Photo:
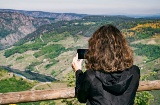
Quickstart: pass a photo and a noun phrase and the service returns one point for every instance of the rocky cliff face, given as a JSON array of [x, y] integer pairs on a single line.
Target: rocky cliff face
[[15, 26]]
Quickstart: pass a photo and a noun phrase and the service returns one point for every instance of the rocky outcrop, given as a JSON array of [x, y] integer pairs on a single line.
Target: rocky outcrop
[[11, 39], [15, 26]]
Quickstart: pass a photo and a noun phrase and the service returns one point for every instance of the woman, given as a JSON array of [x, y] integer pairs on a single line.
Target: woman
[[110, 78]]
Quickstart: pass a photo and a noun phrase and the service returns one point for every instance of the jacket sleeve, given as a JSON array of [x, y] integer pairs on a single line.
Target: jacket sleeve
[[82, 86], [136, 76]]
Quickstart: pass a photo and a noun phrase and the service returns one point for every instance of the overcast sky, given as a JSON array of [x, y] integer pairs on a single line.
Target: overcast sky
[[86, 6]]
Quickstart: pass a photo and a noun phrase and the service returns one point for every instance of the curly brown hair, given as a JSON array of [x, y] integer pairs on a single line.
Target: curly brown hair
[[108, 50]]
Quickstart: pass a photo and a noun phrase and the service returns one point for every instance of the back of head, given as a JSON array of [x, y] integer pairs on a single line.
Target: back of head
[[108, 50]]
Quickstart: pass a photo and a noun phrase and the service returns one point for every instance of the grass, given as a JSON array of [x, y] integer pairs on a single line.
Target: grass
[[52, 85]]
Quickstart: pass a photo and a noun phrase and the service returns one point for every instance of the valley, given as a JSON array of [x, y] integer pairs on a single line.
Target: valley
[[49, 48]]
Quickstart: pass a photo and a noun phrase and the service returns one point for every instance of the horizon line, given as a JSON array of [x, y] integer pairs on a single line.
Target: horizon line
[[122, 14]]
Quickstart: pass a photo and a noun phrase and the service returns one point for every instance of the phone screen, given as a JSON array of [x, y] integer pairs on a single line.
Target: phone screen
[[81, 53]]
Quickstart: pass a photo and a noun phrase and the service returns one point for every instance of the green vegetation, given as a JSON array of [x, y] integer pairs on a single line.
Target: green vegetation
[[53, 72], [144, 35], [23, 48], [3, 73], [152, 52], [49, 102], [4, 33], [60, 30], [70, 79], [147, 32], [14, 84], [32, 65], [145, 97], [19, 58], [54, 36], [50, 51], [49, 65]]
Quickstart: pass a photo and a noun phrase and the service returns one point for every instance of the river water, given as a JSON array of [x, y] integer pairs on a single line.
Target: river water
[[30, 75]]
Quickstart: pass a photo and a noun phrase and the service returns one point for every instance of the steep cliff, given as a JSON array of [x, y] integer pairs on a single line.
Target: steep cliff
[[15, 26]]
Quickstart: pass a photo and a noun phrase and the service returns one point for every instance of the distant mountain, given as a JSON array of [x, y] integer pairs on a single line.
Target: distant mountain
[[57, 16], [151, 16], [15, 26]]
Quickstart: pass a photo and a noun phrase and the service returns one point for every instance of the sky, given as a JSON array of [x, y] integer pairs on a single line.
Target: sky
[[107, 7]]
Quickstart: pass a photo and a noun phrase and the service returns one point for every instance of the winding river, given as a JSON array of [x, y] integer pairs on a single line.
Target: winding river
[[30, 75]]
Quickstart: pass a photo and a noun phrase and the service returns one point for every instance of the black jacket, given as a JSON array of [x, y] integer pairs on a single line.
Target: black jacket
[[101, 88]]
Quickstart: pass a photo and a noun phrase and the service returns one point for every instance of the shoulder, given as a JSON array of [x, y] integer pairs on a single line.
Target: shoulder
[[135, 66], [136, 69], [89, 72]]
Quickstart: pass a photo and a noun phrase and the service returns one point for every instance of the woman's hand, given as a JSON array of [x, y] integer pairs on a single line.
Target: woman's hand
[[76, 64]]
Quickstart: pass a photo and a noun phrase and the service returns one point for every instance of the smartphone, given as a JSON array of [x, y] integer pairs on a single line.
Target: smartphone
[[81, 53]]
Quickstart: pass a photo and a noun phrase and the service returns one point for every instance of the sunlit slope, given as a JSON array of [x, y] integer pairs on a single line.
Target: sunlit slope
[[45, 60], [51, 48]]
